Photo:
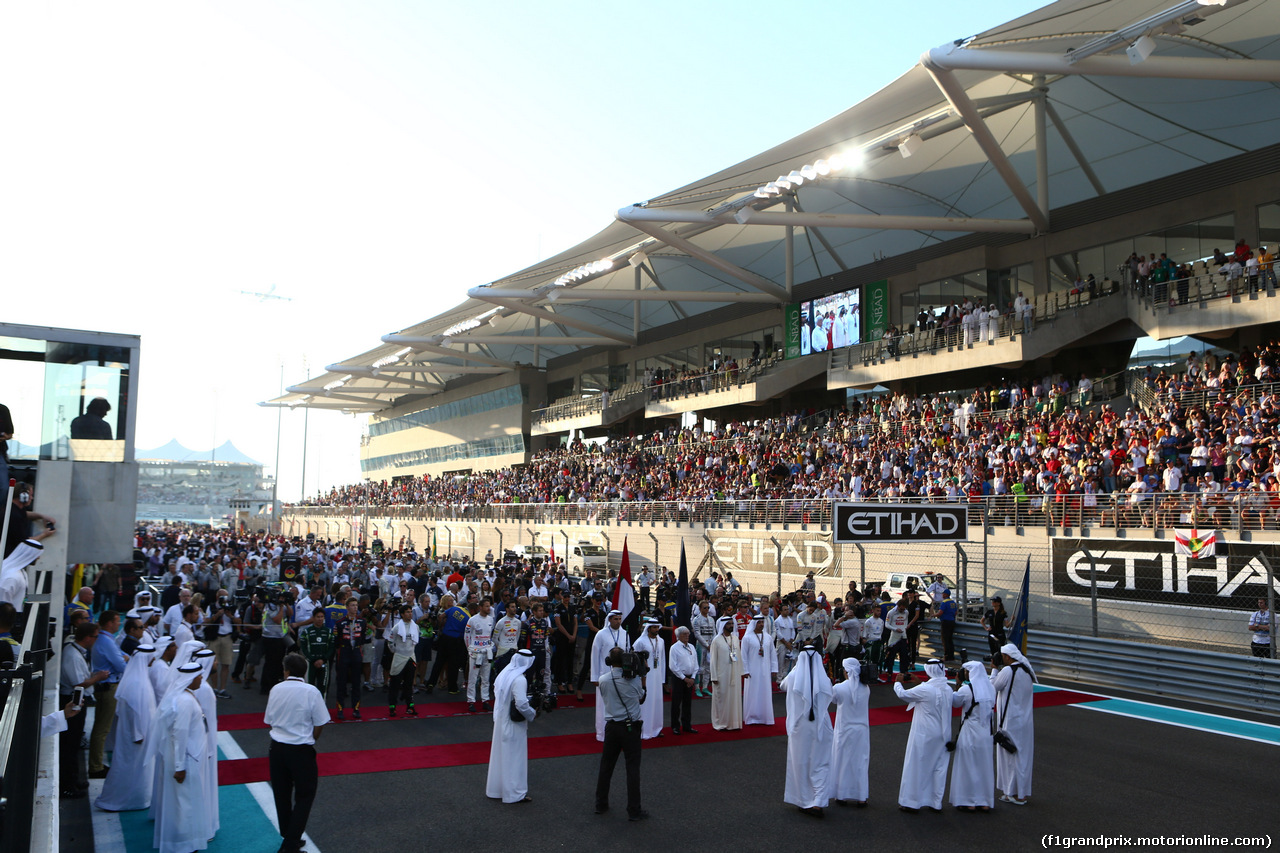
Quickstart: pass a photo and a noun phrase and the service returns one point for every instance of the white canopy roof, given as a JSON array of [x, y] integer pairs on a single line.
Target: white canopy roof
[[950, 147]]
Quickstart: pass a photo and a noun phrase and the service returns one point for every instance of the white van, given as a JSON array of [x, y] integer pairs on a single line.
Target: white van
[[898, 582], [587, 557], [535, 553]]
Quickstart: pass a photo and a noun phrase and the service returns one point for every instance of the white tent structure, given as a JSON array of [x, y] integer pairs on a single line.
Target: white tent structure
[[995, 135]]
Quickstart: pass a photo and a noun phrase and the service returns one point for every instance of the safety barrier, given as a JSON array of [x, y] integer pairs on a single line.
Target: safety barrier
[[21, 707], [1216, 678]]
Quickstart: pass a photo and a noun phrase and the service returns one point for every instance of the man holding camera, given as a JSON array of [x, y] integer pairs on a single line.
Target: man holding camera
[[275, 621], [611, 636], [621, 693]]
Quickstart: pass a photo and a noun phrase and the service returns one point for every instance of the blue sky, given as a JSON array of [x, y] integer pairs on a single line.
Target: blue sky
[[372, 161]]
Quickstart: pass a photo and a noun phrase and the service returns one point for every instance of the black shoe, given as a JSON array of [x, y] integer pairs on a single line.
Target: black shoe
[[640, 815], [675, 731], [430, 688], [99, 774], [471, 707], [355, 712], [81, 786], [338, 714], [691, 731], [413, 712], [601, 809], [487, 706], [74, 794], [391, 712]]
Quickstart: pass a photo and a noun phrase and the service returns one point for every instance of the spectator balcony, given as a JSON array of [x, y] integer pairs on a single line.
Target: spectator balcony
[[1060, 319]]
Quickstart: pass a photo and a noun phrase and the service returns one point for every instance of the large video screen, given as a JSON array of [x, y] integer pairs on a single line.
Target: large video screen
[[831, 322]]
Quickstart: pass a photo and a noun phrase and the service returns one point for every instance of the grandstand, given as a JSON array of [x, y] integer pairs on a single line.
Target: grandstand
[[177, 483], [934, 295]]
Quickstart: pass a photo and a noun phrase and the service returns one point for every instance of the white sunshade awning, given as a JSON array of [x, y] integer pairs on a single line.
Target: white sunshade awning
[[1107, 127]]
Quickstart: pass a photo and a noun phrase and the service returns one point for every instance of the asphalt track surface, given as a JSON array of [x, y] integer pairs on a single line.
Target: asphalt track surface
[[1095, 774]]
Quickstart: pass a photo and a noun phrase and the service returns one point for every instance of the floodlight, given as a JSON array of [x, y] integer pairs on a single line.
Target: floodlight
[[1140, 49]]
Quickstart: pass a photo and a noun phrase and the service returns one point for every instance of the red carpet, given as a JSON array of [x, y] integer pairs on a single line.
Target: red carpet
[[378, 713], [248, 770]]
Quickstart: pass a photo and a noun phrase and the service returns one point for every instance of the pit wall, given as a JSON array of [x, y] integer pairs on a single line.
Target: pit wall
[[986, 565]]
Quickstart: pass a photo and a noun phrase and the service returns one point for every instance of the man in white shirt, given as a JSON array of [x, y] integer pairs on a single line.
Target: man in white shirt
[[295, 712], [683, 665], [784, 635], [173, 616]]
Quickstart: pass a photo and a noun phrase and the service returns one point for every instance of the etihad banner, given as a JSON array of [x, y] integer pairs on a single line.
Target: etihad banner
[[859, 523], [1150, 571], [756, 552]]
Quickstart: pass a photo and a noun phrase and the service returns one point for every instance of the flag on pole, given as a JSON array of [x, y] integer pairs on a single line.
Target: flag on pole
[[1192, 544], [684, 607], [434, 554], [624, 596], [1018, 634], [553, 551]]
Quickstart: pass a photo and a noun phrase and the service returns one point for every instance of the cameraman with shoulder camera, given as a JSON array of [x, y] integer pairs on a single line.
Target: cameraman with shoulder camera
[[275, 621], [622, 694]]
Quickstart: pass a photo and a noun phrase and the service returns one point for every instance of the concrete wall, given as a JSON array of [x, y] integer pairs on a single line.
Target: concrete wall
[[990, 565]]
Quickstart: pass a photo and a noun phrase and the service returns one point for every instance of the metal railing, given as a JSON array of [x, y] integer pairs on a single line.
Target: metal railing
[[1200, 288], [1240, 511], [21, 707], [1045, 308], [1218, 678]]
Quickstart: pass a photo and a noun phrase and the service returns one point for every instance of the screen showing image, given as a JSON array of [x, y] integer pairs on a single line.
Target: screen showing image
[[830, 322]]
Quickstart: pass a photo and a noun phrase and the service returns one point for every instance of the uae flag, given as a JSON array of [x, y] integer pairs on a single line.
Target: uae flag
[[1195, 545], [624, 596]]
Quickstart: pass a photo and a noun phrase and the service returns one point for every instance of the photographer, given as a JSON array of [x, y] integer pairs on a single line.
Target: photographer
[[218, 634], [508, 778], [250, 642], [1014, 689], [973, 777], [621, 693], [275, 621]]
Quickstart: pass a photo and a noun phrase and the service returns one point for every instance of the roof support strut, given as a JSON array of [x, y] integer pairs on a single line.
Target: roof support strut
[[635, 217], [956, 95], [869, 221], [513, 299]]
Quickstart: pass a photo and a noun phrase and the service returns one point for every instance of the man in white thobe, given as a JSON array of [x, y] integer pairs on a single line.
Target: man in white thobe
[[759, 663], [181, 822], [924, 770], [651, 710], [809, 733], [128, 783], [610, 636], [851, 746], [204, 694], [726, 678], [973, 775], [1013, 685], [508, 778]]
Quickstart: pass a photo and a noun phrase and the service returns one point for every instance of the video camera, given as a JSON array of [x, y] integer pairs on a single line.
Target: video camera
[[275, 594], [633, 664]]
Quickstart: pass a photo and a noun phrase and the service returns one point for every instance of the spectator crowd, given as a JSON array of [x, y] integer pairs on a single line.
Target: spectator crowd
[[1195, 447]]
